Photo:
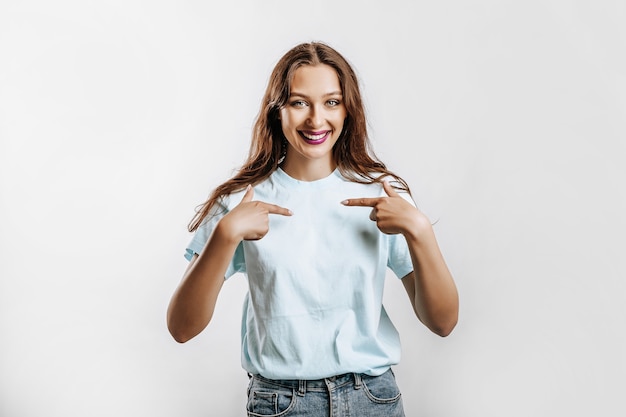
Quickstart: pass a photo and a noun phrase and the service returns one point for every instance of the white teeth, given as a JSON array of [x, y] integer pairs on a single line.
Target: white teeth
[[314, 137]]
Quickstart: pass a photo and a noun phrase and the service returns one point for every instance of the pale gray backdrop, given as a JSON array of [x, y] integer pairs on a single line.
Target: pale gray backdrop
[[507, 118]]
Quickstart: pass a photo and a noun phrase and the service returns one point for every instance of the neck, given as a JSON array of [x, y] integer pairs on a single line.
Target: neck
[[308, 170]]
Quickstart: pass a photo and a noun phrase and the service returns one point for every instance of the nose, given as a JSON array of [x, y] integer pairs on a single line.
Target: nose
[[316, 117]]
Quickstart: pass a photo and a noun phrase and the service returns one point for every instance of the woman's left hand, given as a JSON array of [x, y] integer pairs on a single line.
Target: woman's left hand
[[392, 214]]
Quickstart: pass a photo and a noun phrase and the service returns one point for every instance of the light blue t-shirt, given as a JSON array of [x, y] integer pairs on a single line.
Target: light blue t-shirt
[[314, 305]]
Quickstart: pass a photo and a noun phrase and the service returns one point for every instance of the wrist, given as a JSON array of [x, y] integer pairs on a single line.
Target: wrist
[[226, 234], [418, 229]]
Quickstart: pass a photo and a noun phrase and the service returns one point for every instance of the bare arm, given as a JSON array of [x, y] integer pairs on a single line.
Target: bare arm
[[430, 286], [193, 303]]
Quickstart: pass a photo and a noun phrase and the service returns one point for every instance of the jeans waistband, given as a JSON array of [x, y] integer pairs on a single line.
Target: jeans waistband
[[319, 385]]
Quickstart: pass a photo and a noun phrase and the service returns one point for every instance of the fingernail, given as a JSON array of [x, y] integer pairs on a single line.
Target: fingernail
[[344, 202]]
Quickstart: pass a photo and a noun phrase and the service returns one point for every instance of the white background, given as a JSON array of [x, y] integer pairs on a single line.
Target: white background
[[507, 118]]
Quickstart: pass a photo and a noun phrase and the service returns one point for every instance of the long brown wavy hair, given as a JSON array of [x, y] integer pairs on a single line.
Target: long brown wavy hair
[[353, 153]]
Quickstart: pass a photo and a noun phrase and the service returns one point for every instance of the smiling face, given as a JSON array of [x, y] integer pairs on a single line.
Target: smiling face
[[312, 121]]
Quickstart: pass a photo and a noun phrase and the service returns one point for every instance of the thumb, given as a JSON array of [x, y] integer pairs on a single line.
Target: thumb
[[248, 195], [391, 192]]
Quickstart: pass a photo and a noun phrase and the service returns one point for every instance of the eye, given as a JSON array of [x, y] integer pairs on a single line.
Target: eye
[[333, 102], [298, 103]]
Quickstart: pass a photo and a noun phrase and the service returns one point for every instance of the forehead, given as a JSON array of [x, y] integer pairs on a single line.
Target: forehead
[[315, 79]]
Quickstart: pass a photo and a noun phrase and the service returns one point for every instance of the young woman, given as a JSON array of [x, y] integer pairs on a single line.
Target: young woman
[[313, 220]]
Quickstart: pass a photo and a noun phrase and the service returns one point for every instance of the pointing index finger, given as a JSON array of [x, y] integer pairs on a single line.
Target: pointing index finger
[[274, 209], [360, 202]]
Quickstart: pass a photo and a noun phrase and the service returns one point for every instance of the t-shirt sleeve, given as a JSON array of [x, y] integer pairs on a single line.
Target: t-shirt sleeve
[[202, 234], [399, 258]]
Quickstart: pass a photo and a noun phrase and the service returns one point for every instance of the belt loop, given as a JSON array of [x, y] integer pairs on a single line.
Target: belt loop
[[250, 382], [302, 387], [357, 381]]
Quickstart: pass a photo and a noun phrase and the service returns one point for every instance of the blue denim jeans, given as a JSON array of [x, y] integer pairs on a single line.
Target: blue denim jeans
[[347, 395]]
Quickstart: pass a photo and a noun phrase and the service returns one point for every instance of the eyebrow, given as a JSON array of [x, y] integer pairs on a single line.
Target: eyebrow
[[334, 93]]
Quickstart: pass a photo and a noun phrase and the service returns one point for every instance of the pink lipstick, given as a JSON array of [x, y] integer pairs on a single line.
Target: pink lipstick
[[315, 137]]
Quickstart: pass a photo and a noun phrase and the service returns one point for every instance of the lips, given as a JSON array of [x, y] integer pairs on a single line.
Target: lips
[[314, 137]]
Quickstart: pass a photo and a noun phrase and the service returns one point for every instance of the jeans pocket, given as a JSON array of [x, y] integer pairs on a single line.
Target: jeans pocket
[[382, 389], [269, 402]]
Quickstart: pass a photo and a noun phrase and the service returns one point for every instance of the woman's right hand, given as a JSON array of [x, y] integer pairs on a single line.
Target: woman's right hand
[[249, 220]]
